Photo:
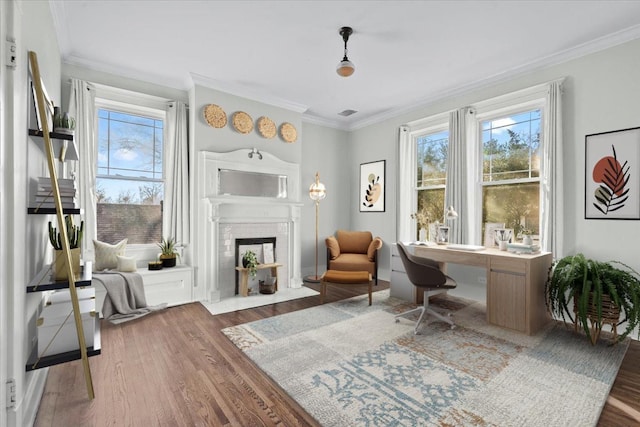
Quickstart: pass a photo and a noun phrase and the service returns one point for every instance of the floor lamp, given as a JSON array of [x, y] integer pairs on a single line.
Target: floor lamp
[[317, 192]]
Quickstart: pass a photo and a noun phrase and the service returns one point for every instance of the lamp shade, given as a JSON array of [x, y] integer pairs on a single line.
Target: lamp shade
[[345, 68], [451, 213], [317, 190]]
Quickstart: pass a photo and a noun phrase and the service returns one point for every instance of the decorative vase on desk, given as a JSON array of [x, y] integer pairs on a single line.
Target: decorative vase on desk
[[527, 240], [422, 235]]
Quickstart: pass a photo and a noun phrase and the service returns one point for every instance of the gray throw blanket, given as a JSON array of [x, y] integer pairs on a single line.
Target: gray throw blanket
[[125, 299]]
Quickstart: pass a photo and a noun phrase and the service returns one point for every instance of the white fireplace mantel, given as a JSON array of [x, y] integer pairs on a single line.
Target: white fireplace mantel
[[217, 210]]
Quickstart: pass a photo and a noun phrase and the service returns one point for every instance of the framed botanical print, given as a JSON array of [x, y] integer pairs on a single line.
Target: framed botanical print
[[372, 186], [612, 164]]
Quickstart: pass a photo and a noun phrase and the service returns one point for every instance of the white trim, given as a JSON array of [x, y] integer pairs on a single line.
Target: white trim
[[245, 92], [119, 96]]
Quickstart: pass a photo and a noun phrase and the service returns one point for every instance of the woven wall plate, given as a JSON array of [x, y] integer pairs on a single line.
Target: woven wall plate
[[242, 122], [288, 132], [215, 116], [266, 127]]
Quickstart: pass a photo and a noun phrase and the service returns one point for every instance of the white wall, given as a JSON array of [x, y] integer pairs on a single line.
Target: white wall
[[600, 94], [24, 238], [326, 151]]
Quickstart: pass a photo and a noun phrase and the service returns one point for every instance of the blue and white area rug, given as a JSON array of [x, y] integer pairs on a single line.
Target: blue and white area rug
[[349, 364]]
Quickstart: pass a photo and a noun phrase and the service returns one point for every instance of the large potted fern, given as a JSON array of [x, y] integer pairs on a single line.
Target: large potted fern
[[594, 293]]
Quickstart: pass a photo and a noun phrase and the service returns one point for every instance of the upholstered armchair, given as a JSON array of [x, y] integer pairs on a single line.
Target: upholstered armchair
[[353, 251]]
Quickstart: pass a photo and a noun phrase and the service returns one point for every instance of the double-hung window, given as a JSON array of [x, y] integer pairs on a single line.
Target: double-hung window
[[130, 172], [501, 179], [510, 145], [431, 175]]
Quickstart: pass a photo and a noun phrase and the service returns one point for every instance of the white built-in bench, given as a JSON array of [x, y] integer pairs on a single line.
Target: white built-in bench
[[170, 285]]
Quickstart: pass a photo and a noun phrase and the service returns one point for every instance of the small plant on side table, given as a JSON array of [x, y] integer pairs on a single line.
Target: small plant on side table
[[250, 261]]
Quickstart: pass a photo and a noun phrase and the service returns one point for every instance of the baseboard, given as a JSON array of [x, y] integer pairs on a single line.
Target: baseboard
[[33, 395]]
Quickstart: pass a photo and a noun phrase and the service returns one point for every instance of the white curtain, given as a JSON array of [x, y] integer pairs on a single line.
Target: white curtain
[[456, 191], [551, 203], [82, 107], [406, 183], [176, 200]]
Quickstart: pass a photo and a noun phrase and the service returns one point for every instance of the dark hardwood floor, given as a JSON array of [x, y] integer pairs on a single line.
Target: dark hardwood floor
[[175, 368]]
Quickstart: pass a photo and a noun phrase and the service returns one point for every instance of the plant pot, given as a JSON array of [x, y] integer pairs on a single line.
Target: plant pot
[[268, 286], [60, 265], [155, 265], [168, 262], [610, 316]]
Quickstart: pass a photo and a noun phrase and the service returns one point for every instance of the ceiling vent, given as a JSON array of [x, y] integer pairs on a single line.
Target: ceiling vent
[[347, 113]]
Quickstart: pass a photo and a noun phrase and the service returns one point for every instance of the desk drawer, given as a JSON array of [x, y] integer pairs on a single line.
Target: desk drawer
[[509, 264]]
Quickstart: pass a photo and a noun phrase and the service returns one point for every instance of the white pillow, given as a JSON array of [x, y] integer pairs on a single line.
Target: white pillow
[[126, 264], [106, 254]]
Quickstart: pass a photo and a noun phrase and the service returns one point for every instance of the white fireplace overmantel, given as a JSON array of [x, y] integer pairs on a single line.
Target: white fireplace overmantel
[[218, 213]]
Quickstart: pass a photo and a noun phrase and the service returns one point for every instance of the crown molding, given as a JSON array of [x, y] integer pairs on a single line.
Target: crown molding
[[322, 121], [244, 92]]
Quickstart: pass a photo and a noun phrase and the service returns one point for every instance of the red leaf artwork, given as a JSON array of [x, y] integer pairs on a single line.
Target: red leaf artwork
[[613, 179]]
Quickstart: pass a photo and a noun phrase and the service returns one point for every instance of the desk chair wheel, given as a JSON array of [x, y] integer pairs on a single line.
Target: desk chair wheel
[[397, 320]]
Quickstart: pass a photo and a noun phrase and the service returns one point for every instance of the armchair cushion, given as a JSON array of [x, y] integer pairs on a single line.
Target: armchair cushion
[[333, 246], [355, 242], [373, 247]]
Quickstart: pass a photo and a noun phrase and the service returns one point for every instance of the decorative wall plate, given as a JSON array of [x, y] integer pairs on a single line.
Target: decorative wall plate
[[266, 127], [215, 116], [242, 122], [288, 132]]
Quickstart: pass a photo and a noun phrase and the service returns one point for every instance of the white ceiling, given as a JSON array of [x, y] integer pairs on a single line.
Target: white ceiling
[[407, 53]]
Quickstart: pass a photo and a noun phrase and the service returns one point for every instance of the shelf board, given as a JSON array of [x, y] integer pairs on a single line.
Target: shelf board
[[44, 279], [64, 146], [33, 363], [52, 211]]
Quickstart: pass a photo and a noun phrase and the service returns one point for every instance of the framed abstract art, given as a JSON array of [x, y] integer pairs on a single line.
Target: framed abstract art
[[612, 165]]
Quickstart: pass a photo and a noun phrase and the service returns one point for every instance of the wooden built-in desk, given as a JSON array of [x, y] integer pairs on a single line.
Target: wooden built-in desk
[[244, 276], [515, 283]]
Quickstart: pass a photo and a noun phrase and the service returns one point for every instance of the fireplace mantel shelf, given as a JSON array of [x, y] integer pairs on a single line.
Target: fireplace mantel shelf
[[231, 200]]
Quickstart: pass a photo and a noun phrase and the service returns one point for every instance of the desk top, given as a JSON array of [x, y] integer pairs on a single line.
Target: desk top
[[442, 253]]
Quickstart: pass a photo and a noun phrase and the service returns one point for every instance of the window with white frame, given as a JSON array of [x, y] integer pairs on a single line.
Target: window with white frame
[[431, 176], [511, 170], [507, 160], [129, 172]]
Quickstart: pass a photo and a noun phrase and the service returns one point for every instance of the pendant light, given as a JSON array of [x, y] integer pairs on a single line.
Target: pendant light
[[345, 67]]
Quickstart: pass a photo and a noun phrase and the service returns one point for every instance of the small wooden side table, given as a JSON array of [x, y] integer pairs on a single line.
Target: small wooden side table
[[244, 276]]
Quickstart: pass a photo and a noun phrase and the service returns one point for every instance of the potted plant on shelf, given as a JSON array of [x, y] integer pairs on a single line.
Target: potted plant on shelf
[[74, 234], [602, 293], [250, 261], [169, 253], [63, 122]]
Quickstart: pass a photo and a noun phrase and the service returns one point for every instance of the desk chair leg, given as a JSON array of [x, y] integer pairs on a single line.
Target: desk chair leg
[[425, 311]]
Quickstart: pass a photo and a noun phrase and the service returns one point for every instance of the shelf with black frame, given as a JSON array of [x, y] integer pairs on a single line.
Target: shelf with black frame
[[44, 280], [52, 211], [34, 362], [64, 145]]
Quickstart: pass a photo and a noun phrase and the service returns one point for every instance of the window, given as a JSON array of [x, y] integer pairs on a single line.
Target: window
[[511, 171], [431, 155], [129, 178]]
